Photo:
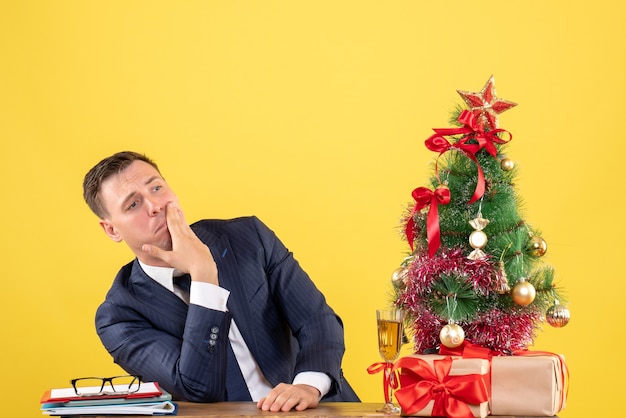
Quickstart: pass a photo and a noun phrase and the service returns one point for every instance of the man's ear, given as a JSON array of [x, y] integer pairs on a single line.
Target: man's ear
[[110, 230]]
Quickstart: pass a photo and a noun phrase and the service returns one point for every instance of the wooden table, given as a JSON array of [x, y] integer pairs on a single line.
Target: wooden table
[[249, 409]]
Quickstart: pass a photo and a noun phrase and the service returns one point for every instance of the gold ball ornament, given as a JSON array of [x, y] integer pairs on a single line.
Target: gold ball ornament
[[557, 315], [507, 164], [537, 246], [452, 335], [398, 277], [523, 293]]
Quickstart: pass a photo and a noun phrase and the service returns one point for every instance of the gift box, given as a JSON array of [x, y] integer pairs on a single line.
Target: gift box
[[528, 384], [436, 385]]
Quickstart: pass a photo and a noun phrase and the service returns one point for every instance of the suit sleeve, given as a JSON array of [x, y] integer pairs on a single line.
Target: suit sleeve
[[316, 327], [192, 367]]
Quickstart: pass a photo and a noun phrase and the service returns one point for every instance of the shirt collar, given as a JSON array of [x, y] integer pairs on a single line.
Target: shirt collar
[[162, 275]]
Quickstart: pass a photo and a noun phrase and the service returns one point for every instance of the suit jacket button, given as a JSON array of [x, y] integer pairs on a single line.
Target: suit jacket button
[[215, 329], [211, 349]]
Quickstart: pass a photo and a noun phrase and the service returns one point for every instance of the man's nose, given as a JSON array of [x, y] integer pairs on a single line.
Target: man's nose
[[155, 206]]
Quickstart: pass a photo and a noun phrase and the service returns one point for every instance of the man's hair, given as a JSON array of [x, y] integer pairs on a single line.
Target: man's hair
[[112, 165]]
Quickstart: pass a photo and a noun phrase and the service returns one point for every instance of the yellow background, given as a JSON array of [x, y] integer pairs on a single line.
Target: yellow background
[[311, 115]]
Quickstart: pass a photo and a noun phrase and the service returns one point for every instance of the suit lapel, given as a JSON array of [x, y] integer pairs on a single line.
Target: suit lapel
[[157, 297]]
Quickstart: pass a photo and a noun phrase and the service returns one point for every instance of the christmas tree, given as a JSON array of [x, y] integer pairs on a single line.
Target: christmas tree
[[475, 271]]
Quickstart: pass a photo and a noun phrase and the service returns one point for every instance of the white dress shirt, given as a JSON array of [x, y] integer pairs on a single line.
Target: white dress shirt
[[214, 297]]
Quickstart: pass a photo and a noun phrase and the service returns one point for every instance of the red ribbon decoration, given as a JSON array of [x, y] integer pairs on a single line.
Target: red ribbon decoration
[[424, 197], [472, 130], [475, 130], [471, 350], [389, 376], [440, 144], [420, 384], [468, 350]]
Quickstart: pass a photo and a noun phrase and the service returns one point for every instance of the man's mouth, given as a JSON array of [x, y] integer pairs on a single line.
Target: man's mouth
[[161, 227]]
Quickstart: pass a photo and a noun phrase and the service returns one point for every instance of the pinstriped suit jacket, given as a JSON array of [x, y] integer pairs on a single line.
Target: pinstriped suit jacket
[[282, 316]]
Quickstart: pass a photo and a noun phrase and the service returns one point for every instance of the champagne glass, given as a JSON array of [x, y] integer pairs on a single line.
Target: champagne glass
[[389, 344]]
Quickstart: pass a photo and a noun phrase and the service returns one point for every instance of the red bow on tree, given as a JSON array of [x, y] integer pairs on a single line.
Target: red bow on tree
[[424, 197], [472, 130], [485, 139]]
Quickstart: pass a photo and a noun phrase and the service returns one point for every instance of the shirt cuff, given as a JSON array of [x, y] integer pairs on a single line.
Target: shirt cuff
[[209, 296], [318, 380]]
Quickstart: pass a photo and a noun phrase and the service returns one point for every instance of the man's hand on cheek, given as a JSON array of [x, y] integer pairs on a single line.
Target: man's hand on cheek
[[188, 253]]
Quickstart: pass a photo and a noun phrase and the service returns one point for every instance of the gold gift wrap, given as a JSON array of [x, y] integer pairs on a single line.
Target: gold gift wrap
[[460, 367], [529, 384]]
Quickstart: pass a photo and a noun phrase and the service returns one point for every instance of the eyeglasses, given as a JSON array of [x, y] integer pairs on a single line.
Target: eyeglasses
[[94, 386]]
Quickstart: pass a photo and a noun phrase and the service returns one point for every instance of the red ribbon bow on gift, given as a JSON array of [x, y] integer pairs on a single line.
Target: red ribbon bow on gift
[[472, 130], [424, 197], [420, 384]]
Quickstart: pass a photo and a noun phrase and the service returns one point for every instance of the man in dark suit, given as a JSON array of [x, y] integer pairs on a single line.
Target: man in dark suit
[[249, 324]]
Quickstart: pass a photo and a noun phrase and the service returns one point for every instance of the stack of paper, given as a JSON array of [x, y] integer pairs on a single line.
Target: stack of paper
[[149, 400]]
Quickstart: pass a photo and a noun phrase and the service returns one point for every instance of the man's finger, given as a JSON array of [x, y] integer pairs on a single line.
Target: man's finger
[[173, 220], [155, 251], [176, 220]]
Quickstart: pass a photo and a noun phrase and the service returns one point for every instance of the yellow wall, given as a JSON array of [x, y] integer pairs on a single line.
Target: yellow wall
[[311, 115]]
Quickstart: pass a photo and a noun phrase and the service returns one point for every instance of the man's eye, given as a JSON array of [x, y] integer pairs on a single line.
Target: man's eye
[[132, 205], [157, 188]]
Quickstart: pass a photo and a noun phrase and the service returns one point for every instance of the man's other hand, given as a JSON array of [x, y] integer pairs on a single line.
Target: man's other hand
[[284, 397]]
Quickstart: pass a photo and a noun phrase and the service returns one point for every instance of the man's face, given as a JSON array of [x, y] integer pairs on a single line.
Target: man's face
[[136, 201]]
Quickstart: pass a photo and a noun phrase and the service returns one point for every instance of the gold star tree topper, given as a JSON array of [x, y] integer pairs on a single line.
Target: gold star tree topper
[[485, 105]]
